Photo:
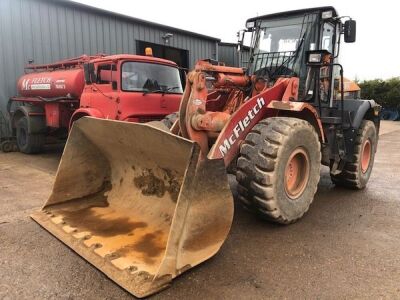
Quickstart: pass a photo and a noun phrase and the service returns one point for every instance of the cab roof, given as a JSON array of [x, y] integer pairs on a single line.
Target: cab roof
[[295, 13], [138, 58]]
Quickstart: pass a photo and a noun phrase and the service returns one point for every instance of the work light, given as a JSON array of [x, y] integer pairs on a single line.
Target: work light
[[327, 14], [316, 57]]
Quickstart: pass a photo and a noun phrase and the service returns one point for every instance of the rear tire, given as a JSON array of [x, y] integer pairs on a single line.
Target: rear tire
[[355, 175], [28, 143], [278, 169]]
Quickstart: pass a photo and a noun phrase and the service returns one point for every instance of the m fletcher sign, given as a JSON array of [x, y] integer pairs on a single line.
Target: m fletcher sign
[[240, 127]]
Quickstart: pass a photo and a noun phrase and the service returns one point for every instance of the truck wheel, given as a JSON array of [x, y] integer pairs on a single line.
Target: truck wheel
[[7, 146], [356, 174], [278, 169], [28, 143]]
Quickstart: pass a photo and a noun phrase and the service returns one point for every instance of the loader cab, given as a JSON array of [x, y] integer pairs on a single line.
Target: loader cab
[[306, 44], [281, 43]]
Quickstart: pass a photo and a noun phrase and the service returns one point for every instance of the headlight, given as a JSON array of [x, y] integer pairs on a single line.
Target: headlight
[[250, 24], [315, 58], [327, 14]]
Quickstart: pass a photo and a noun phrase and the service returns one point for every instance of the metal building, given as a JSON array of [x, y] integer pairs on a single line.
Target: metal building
[[229, 54], [49, 30]]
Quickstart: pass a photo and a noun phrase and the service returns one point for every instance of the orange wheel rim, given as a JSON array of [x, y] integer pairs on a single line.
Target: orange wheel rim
[[297, 172], [365, 155]]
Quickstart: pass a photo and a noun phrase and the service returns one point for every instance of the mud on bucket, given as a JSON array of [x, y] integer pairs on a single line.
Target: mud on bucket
[[137, 203]]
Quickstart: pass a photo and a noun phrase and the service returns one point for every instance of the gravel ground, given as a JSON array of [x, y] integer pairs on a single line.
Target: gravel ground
[[346, 246]]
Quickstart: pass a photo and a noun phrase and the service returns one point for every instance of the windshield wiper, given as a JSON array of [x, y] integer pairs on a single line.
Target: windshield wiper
[[163, 91]]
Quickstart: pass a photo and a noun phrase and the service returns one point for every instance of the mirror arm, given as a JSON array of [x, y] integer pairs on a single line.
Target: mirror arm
[[339, 38]]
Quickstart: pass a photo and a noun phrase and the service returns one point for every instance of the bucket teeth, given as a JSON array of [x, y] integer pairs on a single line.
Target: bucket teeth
[[138, 203]]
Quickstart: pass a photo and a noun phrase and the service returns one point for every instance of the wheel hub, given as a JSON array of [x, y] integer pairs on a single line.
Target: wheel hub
[[365, 155], [297, 172]]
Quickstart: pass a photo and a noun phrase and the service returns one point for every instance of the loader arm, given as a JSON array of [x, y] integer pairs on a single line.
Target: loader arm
[[243, 103]]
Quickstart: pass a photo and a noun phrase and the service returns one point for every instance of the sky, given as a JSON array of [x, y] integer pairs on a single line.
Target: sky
[[374, 54]]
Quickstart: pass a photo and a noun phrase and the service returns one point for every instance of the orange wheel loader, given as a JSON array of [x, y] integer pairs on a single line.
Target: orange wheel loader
[[144, 203]]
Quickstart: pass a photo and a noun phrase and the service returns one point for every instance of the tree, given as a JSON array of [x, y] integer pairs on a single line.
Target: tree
[[385, 92]]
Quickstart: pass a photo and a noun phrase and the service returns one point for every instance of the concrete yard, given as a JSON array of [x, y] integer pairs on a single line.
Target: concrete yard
[[346, 246]]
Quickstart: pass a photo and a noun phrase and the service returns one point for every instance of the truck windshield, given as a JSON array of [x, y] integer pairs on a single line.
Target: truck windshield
[[148, 77]]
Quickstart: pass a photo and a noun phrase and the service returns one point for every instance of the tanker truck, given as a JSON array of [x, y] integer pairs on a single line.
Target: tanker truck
[[125, 87]]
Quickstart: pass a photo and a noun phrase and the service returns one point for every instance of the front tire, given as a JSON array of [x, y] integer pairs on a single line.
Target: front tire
[[278, 169], [355, 175], [28, 143]]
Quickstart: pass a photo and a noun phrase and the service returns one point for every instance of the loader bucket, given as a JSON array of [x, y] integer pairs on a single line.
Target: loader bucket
[[137, 203]]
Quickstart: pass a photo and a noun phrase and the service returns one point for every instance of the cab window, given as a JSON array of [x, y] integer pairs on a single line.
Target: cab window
[[327, 37], [106, 73]]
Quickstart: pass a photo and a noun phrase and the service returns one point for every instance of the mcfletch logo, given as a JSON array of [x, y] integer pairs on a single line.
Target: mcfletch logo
[[240, 127]]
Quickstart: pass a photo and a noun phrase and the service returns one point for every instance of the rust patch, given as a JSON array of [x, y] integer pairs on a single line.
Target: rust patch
[[150, 184], [148, 245], [86, 219], [121, 180]]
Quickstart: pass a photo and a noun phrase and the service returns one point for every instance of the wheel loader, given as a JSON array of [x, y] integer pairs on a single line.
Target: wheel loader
[[144, 203]]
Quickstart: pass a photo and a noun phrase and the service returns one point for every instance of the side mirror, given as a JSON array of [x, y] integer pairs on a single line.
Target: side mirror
[[350, 31], [89, 73], [240, 36]]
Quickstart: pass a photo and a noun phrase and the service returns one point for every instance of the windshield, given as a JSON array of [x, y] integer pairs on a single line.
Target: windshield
[[279, 39], [280, 45], [149, 77]]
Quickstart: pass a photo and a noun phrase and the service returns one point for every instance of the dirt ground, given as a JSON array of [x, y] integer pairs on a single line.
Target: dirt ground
[[346, 246]]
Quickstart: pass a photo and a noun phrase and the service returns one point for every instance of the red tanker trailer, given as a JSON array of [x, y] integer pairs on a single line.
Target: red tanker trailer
[[121, 87], [60, 83]]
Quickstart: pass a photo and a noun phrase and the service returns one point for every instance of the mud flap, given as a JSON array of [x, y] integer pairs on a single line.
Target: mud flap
[[137, 203]]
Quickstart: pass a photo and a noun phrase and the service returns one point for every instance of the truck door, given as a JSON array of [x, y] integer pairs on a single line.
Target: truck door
[[104, 93]]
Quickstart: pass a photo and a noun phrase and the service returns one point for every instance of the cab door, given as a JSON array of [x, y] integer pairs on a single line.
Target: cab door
[[104, 93]]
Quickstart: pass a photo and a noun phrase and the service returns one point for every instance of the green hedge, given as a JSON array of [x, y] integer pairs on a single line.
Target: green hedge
[[385, 92]]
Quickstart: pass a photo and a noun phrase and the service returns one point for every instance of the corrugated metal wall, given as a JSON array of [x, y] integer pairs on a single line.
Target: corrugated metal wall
[[228, 54], [47, 31]]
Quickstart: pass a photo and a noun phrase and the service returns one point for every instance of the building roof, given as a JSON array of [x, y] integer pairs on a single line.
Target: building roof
[[234, 45], [133, 19]]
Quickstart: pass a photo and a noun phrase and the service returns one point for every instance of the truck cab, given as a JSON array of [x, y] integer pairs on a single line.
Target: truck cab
[[130, 88]]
